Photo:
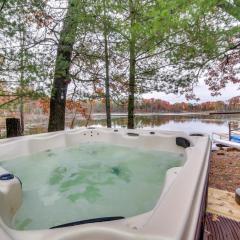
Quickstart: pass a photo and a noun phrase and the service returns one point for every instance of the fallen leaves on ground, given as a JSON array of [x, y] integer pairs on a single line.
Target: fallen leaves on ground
[[225, 170]]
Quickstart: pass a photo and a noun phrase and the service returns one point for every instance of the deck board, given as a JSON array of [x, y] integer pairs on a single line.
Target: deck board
[[223, 204], [221, 228]]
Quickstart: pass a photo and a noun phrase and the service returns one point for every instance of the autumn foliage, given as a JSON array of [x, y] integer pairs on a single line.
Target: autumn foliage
[[77, 107], [71, 106], [224, 72]]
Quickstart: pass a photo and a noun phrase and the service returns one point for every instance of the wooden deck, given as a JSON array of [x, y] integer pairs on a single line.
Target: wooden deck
[[223, 204], [221, 228], [222, 220]]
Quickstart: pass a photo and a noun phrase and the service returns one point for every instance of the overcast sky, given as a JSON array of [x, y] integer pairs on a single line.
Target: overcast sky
[[201, 91]]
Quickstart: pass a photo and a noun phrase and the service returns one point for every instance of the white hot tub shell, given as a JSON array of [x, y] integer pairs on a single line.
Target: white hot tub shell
[[177, 214]]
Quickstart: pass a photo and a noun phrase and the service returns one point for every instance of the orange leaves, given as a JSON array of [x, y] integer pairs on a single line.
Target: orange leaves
[[99, 91], [40, 17], [71, 105], [76, 106], [44, 104]]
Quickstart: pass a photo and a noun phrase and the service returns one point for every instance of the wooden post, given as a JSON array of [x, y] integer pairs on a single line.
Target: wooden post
[[229, 131], [13, 127]]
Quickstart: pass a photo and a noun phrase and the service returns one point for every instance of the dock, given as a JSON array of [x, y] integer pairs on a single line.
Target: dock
[[216, 113]]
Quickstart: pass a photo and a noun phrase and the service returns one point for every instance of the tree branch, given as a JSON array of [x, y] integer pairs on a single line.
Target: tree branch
[[3, 4], [6, 103], [231, 9]]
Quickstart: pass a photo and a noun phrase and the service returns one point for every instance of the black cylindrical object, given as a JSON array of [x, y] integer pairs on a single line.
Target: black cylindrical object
[[13, 127]]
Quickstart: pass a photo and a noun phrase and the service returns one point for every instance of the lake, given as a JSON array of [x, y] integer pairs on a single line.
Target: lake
[[177, 122]]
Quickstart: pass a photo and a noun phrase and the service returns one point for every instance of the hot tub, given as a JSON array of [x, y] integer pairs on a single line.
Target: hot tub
[[171, 211]]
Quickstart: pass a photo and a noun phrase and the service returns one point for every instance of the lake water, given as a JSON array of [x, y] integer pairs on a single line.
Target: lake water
[[88, 181], [187, 123], [178, 122]]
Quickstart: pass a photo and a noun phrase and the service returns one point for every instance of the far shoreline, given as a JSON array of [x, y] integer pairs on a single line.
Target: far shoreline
[[156, 114]]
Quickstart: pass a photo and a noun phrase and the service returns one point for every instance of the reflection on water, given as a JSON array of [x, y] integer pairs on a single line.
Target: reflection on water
[[188, 123]]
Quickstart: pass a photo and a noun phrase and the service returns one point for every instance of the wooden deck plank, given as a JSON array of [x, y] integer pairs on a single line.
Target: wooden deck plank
[[223, 204], [220, 228]]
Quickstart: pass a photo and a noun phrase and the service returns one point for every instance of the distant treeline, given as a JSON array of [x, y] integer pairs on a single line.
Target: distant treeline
[[86, 108], [158, 105]]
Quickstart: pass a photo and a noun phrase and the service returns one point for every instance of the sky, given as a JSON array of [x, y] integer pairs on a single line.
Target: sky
[[201, 92]]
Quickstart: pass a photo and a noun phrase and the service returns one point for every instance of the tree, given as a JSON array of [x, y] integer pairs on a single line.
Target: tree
[[21, 71], [107, 43], [206, 44], [3, 3], [62, 67], [106, 53], [138, 49], [226, 68], [230, 7], [132, 64], [96, 66]]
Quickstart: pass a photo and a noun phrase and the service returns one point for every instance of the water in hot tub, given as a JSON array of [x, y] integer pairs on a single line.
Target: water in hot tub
[[88, 181]]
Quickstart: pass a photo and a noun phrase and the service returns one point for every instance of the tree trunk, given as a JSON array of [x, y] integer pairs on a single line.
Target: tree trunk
[[62, 69], [22, 70], [107, 90], [132, 68], [22, 115]]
